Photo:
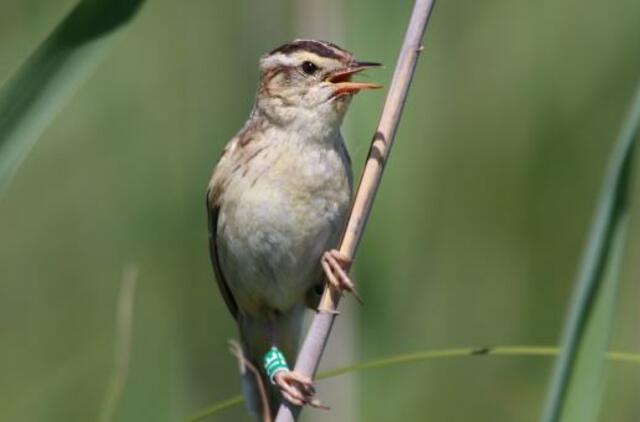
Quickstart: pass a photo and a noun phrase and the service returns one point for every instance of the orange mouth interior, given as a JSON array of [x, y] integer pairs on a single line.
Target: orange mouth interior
[[342, 81]]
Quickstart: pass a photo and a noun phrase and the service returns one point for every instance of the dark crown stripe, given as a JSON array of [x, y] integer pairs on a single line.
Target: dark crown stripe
[[321, 48]]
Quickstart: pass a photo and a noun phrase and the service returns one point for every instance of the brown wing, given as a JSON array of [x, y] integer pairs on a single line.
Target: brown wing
[[212, 218]]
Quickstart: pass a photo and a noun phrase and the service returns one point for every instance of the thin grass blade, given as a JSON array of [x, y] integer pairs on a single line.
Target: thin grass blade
[[415, 357], [577, 381], [123, 341], [584, 392]]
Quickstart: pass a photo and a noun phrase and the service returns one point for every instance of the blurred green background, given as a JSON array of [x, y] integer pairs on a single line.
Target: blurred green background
[[474, 239]]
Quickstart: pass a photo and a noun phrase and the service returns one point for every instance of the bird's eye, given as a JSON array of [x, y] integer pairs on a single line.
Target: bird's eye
[[309, 68]]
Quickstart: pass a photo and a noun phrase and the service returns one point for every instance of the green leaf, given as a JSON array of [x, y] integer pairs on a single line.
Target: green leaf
[[578, 378], [585, 390], [31, 97]]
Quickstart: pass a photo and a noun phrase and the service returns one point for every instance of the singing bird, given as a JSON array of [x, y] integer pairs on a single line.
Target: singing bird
[[276, 206]]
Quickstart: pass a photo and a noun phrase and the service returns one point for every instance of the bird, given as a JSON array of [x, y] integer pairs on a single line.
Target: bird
[[276, 205]]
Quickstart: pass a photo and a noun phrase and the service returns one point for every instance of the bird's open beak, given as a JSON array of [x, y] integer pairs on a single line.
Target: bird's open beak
[[341, 79]]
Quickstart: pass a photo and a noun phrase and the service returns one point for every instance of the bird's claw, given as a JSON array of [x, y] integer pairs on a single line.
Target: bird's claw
[[335, 266], [298, 389]]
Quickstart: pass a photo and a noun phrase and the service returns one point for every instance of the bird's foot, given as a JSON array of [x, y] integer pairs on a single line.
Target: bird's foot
[[335, 266], [298, 389]]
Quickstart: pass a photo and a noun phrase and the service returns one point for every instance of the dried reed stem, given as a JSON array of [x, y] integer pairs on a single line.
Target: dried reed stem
[[123, 339], [245, 364], [316, 340]]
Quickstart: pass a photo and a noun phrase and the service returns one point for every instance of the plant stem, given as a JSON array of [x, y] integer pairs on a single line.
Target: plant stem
[[421, 356], [316, 340], [123, 339]]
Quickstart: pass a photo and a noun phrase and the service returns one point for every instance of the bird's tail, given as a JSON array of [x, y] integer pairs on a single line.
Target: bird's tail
[[257, 336]]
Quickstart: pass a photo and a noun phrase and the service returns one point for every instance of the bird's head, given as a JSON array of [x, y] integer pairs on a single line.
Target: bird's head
[[309, 81]]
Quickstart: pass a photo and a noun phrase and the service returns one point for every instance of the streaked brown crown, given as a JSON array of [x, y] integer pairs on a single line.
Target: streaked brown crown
[[320, 48]]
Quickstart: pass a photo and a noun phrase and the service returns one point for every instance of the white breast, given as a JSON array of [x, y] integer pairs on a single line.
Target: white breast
[[279, 217]]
